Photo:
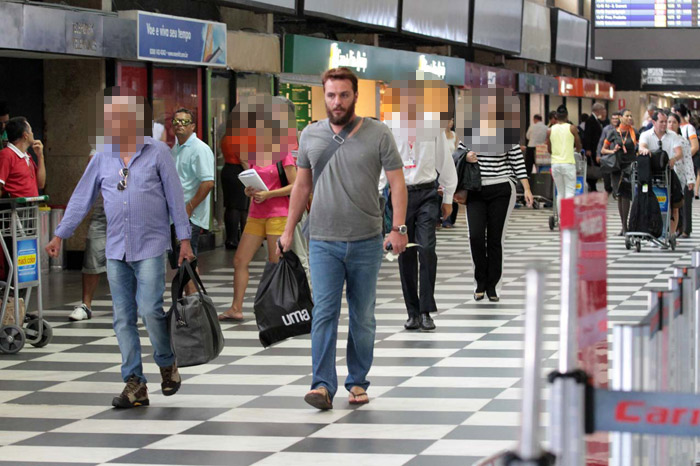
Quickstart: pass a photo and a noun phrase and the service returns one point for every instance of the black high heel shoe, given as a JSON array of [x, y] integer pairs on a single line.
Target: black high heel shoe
[[493, 297], [479, 295]]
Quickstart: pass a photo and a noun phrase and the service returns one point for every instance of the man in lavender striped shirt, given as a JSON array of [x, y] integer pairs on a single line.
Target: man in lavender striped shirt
[[141, 190]]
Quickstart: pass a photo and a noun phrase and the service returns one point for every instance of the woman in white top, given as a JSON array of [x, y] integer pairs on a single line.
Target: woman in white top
[[685, 170]]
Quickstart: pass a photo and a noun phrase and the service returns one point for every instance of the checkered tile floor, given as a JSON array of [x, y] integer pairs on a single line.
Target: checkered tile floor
[[443, 398]]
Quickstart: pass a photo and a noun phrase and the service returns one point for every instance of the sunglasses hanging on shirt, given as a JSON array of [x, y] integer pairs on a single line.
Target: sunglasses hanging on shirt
[[124, 173]]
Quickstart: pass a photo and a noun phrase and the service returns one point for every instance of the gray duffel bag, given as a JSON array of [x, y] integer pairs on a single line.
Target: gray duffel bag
[[195, 333]]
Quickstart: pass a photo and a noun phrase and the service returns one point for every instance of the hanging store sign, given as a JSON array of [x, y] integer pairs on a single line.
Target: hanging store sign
[[529, 83], [478, 76], [170, 39], [53, 30], [570, 87], [312, 56], [594, 89]]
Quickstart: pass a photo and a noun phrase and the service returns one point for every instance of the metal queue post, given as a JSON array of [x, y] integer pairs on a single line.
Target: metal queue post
[[652, 408], [529, 450]]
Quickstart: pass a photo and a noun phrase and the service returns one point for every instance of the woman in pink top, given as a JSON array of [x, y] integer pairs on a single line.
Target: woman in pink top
[[265, 131]]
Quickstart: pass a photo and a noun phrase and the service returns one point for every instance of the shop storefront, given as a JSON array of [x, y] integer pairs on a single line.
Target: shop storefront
[[306, 58], [53, 65], [579, 95]]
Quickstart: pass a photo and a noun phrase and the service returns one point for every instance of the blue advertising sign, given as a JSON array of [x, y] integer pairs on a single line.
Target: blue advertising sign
[[181, 40], [27, 261]]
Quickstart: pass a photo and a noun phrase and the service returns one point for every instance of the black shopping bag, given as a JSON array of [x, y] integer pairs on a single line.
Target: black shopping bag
[[283, 302], [195, 333]]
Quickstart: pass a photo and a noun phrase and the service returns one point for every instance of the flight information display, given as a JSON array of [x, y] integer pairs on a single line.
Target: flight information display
[[646, 13]]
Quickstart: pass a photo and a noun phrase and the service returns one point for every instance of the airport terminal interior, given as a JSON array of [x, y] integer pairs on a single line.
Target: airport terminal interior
[[586, 348]]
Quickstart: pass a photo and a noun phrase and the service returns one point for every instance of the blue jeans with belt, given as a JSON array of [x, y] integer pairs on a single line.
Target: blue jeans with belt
[[333, 263], [137, 290]]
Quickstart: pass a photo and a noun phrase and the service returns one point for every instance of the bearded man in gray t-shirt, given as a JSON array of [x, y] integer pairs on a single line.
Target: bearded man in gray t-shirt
[[345, 225]]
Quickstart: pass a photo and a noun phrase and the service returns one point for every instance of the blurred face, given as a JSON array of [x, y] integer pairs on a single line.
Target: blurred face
[[626, 118], [602, 114], [340, 101], [29, 135], [414, 109], [661, 124], [615, 120], [3, 121], [183, 125], [263, 130], [673, 125], [123, 120]]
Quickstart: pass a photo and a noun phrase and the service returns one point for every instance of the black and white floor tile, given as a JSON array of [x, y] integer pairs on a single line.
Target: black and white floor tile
[[443, 398]]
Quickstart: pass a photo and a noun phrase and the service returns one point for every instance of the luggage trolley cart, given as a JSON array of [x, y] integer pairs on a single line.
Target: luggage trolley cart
[[661, 185], [581, 169], [19, 223]]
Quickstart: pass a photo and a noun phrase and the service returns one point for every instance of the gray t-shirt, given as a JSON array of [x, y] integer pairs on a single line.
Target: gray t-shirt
[[346, 200]]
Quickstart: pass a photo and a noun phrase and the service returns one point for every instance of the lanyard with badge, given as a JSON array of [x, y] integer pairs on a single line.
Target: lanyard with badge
[[411, 162]]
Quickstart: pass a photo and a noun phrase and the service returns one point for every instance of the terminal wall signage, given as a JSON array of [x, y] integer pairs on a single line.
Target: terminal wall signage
[[52, 30], [171, 39], [671, 77], [311, 56]]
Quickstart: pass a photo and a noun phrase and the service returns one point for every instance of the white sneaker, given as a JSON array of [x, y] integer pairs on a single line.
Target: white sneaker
[[81, 312]]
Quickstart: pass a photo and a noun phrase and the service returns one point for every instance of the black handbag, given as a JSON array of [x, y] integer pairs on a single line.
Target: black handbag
[[468, 175], [609, 163]]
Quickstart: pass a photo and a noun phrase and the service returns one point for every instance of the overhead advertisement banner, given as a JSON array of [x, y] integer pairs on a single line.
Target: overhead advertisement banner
[[181, 40]]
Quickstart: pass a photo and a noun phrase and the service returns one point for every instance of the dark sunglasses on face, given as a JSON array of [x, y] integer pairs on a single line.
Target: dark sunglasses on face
[[181, 122], [124, 173]]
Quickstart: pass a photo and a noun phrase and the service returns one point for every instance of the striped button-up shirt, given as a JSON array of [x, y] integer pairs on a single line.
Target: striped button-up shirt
[[138, 216]]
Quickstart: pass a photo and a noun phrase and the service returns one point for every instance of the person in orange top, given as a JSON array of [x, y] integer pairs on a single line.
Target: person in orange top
[[236, 202]]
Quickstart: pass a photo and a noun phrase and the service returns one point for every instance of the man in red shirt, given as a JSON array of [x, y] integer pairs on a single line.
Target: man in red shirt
[[19, 175]]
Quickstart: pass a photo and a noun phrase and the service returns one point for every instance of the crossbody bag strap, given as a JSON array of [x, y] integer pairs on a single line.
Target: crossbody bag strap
[[282, 174], [337, 141]]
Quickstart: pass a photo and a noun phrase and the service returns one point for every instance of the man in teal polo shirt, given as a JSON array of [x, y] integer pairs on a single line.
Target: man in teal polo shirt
[[195, 165]]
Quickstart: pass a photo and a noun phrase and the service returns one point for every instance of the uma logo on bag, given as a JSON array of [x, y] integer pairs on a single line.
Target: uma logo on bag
[[296, 317]]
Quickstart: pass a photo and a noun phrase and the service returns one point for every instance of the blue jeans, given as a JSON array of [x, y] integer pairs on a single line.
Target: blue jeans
[[137, 288], [332, 264]]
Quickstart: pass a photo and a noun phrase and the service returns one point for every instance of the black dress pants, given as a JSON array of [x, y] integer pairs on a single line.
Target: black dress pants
[[530, 153], [687, 211], [420, 221], [235, 202], [487, 213]]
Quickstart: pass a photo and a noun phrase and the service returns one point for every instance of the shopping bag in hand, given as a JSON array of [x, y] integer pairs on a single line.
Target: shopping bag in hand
[[283, 302], [195, 333]]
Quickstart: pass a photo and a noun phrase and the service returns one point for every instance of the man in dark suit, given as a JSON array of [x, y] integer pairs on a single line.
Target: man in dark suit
[[591, 136]]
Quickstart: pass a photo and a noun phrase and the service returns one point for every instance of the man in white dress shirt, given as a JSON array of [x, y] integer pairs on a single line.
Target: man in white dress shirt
[[416, 111]]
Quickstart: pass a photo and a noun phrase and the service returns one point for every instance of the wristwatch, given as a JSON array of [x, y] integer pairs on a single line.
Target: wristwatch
[[402, 229]]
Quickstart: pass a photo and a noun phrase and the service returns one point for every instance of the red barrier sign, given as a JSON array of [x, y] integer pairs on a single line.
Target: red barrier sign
[[587, 214], [656, 413]]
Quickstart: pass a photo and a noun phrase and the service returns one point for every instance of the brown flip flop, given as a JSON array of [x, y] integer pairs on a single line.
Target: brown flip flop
[[358, 398], [319, 399]]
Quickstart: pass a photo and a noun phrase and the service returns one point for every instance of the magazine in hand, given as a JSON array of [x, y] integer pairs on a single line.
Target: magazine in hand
[[251, 179]]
